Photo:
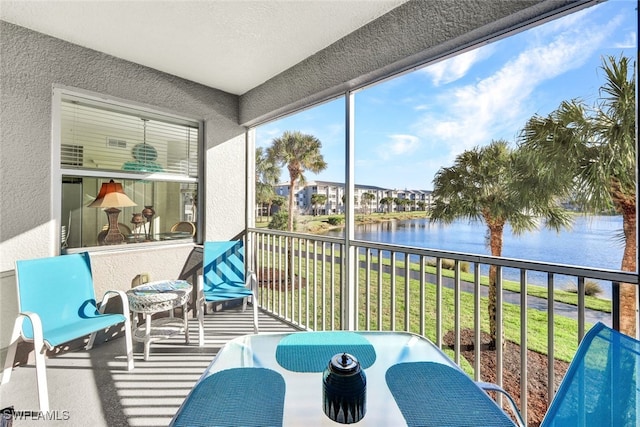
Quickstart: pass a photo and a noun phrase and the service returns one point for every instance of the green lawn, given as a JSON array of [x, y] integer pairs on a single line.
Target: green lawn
[[386, 310], [559, 295], [591, 302]]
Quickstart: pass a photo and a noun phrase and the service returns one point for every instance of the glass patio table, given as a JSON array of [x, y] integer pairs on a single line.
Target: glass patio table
[[277, 379]]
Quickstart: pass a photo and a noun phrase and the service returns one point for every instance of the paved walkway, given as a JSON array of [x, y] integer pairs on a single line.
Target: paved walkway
[[559, 308]]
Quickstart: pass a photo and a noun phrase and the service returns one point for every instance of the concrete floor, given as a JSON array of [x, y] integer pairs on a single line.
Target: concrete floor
[[92, 388]]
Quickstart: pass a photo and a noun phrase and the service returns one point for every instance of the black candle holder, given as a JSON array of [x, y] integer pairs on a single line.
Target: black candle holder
[[344, 389]]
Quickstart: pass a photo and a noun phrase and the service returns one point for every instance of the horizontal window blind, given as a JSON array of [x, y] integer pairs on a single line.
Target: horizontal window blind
[[100, 137]]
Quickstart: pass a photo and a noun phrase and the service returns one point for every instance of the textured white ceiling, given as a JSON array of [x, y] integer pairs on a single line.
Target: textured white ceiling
[[230, 45]]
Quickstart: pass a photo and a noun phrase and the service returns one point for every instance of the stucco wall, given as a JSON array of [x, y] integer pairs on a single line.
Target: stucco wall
[[31, 64], [417, 32]]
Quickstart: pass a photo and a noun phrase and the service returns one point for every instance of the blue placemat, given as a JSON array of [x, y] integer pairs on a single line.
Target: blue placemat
[[312, 351], [235, 397], [433, 394]]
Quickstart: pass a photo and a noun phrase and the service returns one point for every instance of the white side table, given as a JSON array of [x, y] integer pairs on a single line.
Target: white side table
[[156, 297]]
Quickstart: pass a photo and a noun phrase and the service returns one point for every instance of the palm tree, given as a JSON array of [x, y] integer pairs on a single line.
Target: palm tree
[[367, 198], [298, 152], [402, 204], [344, 200], [590, 153], [387, 201], [267, 175], [278, 202], [318, 200], [482, 185]]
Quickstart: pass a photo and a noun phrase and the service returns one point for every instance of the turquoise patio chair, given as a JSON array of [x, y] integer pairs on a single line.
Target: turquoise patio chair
[[601, 386], [56, 304], [224, 278]]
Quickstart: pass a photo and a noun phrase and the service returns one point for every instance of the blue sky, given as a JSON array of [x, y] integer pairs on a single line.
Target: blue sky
[[410, 126]]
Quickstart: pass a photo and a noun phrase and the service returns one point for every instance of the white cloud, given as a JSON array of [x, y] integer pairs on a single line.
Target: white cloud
[[265, 135], [495, 106], [554, 26], [398, 145], [452, 69], [629, 42]]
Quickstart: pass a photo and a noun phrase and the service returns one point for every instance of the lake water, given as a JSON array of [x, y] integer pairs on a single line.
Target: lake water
[[593, 241]]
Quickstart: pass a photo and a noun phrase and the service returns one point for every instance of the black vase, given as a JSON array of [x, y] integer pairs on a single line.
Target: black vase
[[344, 389]]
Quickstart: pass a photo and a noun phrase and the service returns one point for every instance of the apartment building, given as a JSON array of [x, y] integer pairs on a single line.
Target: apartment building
[[381, 199]]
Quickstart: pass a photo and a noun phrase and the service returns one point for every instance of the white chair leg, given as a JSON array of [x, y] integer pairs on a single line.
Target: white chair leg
[[41, 374], [185, 322], [255, 315], [92, 339], [11, 351], [41, 368], [128, 342], [201, 328], [147, 336], [200, 305], [128, 330], [253, 285]]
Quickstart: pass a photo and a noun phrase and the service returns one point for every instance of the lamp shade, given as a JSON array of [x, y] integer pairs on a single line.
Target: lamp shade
[[111, 195]]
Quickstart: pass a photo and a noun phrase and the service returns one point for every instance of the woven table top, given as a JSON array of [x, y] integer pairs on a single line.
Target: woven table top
[[159, 296]]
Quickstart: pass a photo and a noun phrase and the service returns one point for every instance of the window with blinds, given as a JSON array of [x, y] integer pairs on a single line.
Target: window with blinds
[[152, 157], [96, 136]]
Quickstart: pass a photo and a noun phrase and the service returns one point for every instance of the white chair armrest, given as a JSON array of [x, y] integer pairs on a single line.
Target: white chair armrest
[[36, 324], [39, 348], [496, 388], [123, 298], [251, 281]]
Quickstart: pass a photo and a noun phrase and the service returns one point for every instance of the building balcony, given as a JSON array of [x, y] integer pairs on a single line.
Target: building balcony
[[302, 285]]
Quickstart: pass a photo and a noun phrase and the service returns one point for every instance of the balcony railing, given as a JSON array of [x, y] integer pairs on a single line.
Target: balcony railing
[[437, 294]]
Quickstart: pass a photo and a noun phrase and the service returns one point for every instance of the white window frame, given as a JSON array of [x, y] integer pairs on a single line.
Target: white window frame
[[57, 171]]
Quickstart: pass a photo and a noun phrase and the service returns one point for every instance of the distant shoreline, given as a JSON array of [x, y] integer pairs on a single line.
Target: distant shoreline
[[319, 224]]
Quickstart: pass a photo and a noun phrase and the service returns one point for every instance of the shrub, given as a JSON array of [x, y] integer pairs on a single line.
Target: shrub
[[591, 288], [279, 221], [449, 264], [335, 220]]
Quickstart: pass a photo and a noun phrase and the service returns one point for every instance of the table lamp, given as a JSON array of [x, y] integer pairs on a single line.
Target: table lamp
[[111, 197]]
